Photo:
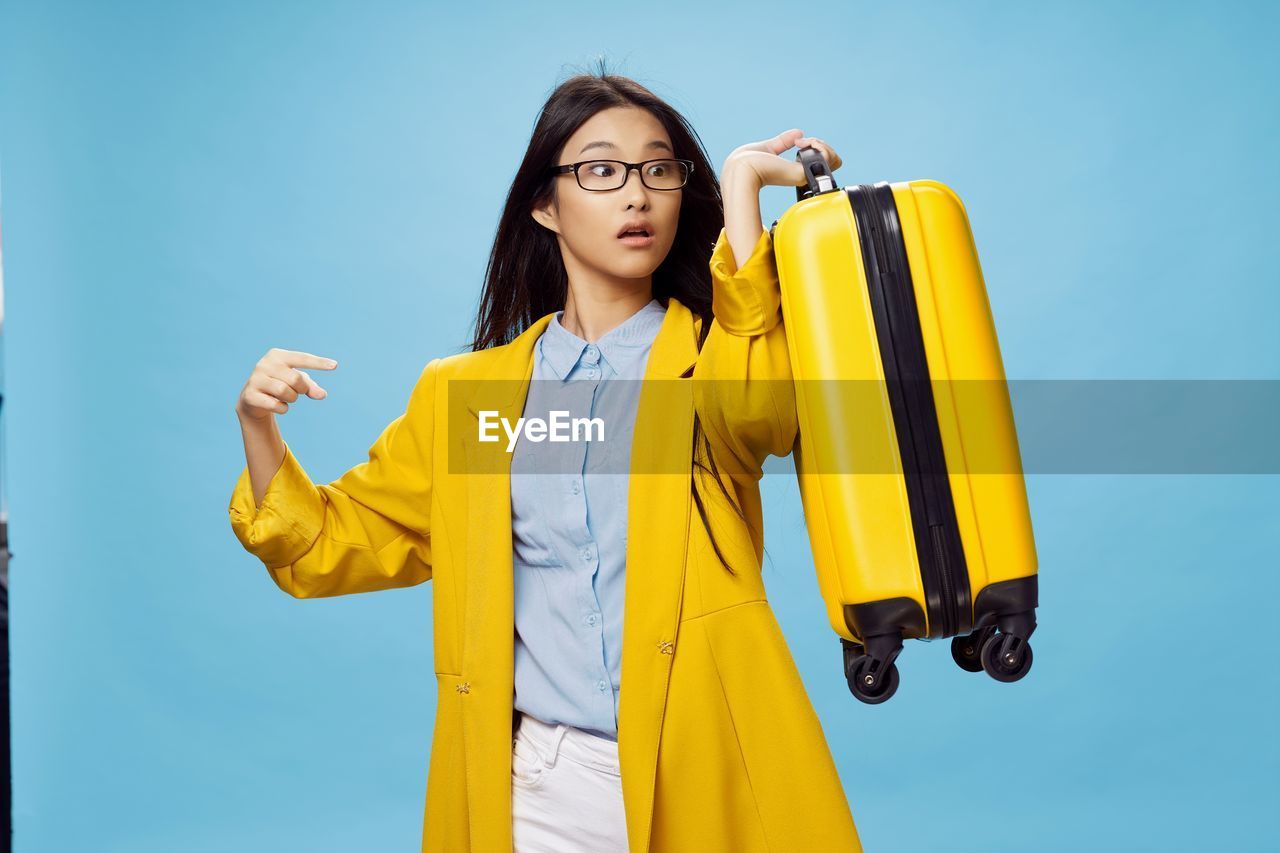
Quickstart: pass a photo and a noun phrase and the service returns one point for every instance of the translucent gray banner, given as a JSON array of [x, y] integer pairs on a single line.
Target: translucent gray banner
[[1063, 426]]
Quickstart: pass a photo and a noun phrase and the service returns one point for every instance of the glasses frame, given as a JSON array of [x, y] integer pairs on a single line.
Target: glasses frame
[[626, 175]]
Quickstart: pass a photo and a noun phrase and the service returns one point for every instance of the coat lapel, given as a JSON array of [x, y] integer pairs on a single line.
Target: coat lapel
[[658, 515]]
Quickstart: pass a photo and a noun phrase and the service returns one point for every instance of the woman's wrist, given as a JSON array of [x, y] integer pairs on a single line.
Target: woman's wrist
[[740, 187]]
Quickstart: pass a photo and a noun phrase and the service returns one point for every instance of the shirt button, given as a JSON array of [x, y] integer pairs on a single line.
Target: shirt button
[[592, 619], [591, 374], [602, 684], [586, 553], [576, 487], [592, 355]]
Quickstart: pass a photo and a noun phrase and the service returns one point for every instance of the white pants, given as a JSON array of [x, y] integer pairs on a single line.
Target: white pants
[[566, 790]]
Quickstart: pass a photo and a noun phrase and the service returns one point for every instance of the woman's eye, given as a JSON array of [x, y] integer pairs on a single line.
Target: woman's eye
[[604, 170]]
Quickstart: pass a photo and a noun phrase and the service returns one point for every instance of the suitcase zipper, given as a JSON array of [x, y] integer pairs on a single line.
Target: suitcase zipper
[[943, 570]]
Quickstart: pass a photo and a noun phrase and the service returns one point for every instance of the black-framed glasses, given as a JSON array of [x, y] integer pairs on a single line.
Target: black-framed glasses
[[603, 175]]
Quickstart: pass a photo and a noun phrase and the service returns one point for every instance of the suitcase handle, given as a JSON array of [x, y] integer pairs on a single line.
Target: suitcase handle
[[818, 177]]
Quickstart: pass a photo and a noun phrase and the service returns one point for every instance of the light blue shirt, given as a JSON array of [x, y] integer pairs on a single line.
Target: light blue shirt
[[569, 524]]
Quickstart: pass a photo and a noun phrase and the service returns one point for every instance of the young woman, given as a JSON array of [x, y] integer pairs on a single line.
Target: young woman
[[610, 674]]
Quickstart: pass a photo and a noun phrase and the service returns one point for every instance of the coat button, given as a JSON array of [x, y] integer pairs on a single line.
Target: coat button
[[667, 647], [464, 687]]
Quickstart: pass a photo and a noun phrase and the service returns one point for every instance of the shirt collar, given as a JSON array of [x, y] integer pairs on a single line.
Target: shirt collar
[[562, 349]]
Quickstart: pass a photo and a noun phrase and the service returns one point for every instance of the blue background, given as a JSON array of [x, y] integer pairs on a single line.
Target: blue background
[[187, 185]]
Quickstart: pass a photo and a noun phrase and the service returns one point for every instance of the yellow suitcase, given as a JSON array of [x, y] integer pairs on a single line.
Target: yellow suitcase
[[907, 461]]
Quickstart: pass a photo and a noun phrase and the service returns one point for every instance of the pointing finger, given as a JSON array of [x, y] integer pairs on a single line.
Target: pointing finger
[[294, 358]]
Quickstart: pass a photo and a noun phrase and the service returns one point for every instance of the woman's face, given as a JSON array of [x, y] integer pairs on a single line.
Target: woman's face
[[588, 223]]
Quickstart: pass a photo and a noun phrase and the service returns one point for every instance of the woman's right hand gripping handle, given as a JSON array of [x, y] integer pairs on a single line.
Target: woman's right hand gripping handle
[[276, 381]]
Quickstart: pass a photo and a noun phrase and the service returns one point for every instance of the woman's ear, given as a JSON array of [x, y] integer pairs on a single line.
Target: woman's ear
[[546, 218]]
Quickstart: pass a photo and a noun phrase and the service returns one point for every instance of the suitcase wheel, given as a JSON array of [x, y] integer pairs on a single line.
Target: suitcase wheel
[[879, 689], [872, 677], [967, 648], [1006, 657]]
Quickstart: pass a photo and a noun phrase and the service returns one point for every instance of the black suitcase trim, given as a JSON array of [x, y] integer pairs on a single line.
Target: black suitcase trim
[[944, 571]]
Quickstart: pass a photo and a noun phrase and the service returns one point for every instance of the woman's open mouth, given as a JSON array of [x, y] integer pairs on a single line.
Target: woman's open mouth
[[639, 239]]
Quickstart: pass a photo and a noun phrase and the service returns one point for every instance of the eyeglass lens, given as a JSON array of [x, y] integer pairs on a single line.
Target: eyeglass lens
[[612, 174]]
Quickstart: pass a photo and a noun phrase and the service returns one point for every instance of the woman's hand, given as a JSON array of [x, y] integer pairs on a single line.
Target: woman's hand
[[753, 166], [276, 382], [762, 158]]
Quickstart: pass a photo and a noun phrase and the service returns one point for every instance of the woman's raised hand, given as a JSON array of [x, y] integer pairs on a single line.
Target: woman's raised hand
[[753, 166], [277, 380], [764, 160]]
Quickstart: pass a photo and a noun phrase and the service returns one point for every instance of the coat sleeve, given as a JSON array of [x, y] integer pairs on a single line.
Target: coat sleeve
[[744, 394], [367, 530]]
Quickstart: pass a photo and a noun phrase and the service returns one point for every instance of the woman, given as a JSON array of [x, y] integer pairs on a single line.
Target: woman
[[714, 745]]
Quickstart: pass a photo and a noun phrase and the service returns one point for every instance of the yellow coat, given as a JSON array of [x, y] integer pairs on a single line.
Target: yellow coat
[[720, 748]]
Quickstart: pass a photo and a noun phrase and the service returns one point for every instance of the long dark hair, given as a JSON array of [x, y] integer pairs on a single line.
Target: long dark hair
[[526, 278]]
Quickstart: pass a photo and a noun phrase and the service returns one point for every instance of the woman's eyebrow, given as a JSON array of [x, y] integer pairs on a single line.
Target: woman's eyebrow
[[602, 143]]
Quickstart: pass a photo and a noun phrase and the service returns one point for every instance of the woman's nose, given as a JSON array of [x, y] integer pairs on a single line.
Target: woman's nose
[[635, 188]]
